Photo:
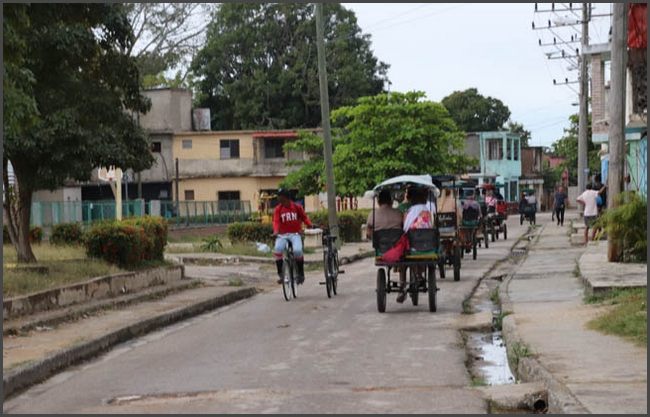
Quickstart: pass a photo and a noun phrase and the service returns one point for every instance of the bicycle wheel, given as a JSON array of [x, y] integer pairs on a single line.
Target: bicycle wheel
[[474, 244], [286, 280], [328, 275], [505, 231], [335, 271], [457, 253], [293, 279]]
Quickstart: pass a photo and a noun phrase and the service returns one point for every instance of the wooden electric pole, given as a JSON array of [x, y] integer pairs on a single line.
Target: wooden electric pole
[[325, 116], [617, 116], [583, 123]]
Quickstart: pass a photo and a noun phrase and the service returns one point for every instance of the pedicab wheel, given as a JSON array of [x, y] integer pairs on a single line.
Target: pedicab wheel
[[441, 265], [521, 219], [486, 239], [381, 290], [474, 248], [287, 279], [414, 292], [457, 264], [328, 275], [505, 231], [431, 288], [532, 220]]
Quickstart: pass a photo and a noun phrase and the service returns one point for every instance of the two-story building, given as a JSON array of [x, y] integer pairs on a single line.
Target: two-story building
[[499, 160]]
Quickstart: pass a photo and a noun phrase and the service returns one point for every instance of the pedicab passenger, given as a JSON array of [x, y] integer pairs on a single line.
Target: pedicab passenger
[[385, 217], [419, 216]]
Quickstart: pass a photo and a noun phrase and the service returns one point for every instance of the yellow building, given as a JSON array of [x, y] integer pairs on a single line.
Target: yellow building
[[232, 166]]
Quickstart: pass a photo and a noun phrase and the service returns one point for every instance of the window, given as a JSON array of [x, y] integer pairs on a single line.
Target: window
[[229, 200], [513, 191], [494, 148], [229, 149], [515, 151], [273, 148], [509, 149], [189, 195], [187, 143], [156, 147]]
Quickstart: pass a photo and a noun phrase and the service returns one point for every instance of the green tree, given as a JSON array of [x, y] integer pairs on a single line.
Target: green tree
[[258, 68], [567, 147], [71, 91], [309, 178], [518, 128], [394, 134], [473, 112]]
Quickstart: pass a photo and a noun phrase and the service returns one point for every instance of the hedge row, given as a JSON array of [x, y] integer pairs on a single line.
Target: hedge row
[[250, 232], [350, 222], [35, 235], [67, 234], [128, 243]]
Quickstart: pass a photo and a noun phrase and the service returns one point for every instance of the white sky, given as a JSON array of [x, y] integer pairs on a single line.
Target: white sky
[[439, 48]]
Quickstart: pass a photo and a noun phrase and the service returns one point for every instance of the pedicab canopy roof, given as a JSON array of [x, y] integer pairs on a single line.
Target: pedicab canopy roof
[[403, 181]]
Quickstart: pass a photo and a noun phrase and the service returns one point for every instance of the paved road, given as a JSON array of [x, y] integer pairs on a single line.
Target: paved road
[[312, 354]]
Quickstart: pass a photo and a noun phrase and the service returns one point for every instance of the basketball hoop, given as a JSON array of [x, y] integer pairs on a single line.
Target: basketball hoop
[[107, 175]]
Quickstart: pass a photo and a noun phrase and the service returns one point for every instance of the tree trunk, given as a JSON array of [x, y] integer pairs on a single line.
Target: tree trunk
[[17, 209]]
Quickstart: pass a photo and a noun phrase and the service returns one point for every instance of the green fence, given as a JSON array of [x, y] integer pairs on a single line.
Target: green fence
[[47, 214], [202, 212]]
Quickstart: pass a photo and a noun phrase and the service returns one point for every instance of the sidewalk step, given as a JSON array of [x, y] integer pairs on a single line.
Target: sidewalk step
[[52, 318]]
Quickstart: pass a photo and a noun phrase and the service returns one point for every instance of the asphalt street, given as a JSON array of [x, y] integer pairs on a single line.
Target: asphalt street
[[309, 355]]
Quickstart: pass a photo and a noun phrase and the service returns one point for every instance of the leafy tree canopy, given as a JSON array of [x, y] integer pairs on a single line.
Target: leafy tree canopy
[[258, 68], [473, 112], [567, 147], [69, 89], [394, 134]]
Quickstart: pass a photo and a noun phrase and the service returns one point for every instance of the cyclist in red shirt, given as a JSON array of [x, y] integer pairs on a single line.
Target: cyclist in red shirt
[[287, 225]]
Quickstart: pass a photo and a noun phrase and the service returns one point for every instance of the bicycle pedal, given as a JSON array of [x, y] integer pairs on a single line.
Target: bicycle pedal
[[341, 272]]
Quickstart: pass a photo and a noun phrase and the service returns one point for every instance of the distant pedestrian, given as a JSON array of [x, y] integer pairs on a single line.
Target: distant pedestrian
[[559, 205], [590, 213]]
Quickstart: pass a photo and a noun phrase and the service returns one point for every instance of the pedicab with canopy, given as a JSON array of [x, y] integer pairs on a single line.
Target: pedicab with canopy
[[495, 220], [423, 247], [472, 230], [450, 242]]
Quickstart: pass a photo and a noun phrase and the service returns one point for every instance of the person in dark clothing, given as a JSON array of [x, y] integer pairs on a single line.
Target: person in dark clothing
[[559, 205]]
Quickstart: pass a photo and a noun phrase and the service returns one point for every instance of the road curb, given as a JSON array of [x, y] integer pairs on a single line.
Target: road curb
[[21, 378], [235, 259], [529, 369]]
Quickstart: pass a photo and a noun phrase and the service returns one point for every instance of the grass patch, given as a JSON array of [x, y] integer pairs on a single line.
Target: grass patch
[[65, 264], [498, 320], [478, 381], [235, 282], [628, 316], [189, 238], [494, 296], [467, 306], [516, 352]]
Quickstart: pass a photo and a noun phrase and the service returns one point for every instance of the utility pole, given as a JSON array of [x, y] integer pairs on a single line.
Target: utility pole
[[583, 125], [325, 116], [176, 189], [617, 116]]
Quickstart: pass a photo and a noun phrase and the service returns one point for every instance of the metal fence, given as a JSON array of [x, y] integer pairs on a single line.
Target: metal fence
[[202, 212], [47, 214]]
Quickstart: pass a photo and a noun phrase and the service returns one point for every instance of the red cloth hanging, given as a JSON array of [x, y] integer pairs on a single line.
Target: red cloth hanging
[[637, 26]]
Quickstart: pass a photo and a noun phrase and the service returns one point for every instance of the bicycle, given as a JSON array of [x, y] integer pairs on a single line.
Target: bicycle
[[289, 283], [330, 263]]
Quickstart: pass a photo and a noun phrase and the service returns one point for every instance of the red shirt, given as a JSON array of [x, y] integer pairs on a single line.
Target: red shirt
[[289, 219]]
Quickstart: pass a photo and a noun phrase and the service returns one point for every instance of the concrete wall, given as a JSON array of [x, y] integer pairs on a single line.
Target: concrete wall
[[171, 110], [473, 149], [98, 288], [162, 169]]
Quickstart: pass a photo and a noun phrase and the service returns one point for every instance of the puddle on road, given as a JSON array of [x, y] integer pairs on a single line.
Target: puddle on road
[[489, 357]]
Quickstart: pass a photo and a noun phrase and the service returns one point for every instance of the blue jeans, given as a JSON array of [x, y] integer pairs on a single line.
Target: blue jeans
[[281, 245]]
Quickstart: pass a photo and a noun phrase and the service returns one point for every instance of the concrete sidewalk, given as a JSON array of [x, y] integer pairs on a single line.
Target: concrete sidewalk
[[585, 371], [600, 275]]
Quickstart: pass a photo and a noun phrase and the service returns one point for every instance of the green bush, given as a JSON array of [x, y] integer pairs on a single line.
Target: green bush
[[350, 222], [627, 225], [156, 229], [35, 235], [250, 232], [67, 234], [212, 244], [118, 243]]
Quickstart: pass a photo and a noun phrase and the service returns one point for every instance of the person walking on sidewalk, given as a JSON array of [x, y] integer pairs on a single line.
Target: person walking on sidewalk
[[287, 225], [589, 200], [559, 205]]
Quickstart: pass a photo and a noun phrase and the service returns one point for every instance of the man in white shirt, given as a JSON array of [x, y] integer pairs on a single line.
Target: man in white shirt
[[588, 199]]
